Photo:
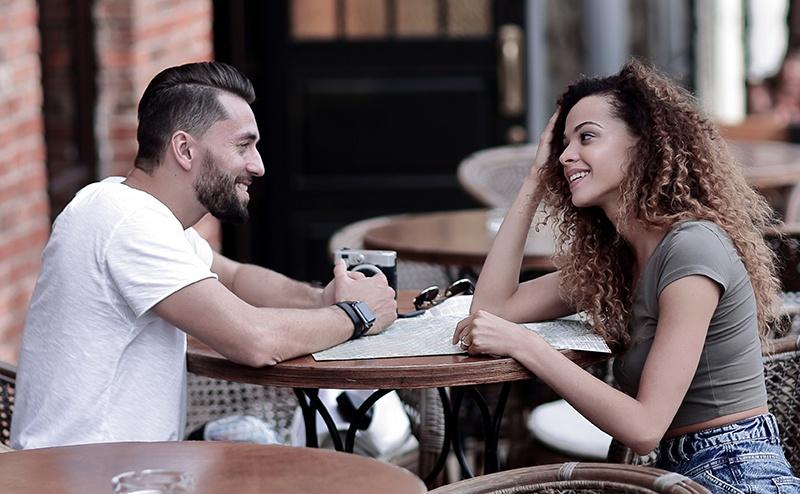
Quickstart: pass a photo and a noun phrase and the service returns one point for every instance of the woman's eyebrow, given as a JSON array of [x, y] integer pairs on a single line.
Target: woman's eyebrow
[[588, 122]]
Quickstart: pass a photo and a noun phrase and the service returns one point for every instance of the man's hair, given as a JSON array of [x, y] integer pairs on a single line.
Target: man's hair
[[184, 98]]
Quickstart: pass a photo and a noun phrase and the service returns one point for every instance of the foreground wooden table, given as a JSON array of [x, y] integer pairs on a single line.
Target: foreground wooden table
[[215, 467]]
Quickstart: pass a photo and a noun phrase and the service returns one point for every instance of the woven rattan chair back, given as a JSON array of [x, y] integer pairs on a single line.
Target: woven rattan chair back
[[8, 379], [782, 376], [577, 478], [208, 399], [493, 176]]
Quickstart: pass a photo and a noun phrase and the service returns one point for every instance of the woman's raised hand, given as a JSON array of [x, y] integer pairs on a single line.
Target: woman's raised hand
[[545, 140]]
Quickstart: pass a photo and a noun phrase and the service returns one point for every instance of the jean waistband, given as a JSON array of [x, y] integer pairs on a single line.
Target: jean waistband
[[681, 448]]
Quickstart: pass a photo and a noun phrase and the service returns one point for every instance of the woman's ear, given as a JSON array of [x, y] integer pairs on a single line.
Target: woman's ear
[[183, 148]]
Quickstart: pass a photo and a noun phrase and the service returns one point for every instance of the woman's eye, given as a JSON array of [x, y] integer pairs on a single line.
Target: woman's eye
[[585, 136]]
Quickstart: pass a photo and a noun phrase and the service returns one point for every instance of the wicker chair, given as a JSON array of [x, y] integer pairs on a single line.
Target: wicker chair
[[493, 176], [8, 378], [782, 375], [577, 478], [209, 399]]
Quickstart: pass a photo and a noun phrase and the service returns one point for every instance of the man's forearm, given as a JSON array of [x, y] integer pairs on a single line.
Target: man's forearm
[[263, 287]]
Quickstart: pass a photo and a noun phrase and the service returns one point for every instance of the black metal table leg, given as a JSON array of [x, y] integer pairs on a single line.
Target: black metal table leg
[[309, 417], [457, 395], [491, 427], [360, 413]]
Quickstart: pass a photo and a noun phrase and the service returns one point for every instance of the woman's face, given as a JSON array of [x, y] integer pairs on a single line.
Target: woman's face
[[595, 157]]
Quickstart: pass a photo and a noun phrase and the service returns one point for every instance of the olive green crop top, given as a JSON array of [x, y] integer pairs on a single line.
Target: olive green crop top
[[730, 374]]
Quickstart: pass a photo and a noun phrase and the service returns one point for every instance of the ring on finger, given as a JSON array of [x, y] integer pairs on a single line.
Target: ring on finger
[[463, 343]]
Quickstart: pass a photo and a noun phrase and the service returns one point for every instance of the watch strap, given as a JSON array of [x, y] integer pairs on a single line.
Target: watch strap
[[359, 327]]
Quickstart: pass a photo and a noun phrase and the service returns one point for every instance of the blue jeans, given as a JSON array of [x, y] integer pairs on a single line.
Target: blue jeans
[[744, 457]]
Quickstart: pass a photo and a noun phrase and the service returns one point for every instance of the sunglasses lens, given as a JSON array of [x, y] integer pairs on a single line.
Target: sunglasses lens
[[463, 286], [426, 296]]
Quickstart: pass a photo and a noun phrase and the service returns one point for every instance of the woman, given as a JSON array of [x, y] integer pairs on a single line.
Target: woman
[[660, 247]]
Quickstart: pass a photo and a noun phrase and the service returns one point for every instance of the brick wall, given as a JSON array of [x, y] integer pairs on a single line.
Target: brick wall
[[135, 40], [24, 215]]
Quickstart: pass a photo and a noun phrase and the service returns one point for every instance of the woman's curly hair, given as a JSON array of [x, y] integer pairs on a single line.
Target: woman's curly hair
[[680, 169]]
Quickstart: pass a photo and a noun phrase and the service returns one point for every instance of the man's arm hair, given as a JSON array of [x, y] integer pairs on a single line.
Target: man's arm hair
[[262, 287], [250, 335]]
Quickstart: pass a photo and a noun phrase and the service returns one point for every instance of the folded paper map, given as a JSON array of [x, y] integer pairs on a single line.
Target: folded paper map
[[432, 334]]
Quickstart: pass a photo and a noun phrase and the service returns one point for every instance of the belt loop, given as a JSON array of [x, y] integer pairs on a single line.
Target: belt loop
[[770, 426], [669, 447], [681, 448]]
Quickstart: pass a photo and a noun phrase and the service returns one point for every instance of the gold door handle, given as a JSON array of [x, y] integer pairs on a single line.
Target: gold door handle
[[511, 70]]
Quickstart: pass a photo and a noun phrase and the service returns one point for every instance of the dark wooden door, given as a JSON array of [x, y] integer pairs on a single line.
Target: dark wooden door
[[365, 108]]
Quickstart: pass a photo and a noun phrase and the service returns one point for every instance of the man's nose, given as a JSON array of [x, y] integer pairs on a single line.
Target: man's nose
[[256, 165]]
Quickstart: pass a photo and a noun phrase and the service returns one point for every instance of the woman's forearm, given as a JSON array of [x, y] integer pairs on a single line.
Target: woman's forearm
[[499, 278], [625, 418]]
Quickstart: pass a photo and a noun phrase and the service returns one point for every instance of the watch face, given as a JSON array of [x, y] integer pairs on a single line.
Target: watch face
[[366, 313]]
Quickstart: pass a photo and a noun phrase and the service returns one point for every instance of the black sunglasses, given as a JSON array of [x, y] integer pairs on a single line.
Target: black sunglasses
[[429, 297]]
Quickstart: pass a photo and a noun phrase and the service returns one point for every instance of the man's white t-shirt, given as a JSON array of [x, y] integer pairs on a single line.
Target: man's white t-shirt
[[96, 365]]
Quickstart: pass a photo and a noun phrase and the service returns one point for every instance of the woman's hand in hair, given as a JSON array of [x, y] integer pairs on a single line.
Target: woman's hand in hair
[[543, 150]]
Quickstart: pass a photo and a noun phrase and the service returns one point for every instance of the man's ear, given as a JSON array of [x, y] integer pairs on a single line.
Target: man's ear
[[183, 148]]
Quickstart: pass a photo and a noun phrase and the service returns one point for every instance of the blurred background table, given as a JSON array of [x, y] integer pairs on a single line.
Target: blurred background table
[[215, 467], [493, 176], [767, 164], [458, 238]]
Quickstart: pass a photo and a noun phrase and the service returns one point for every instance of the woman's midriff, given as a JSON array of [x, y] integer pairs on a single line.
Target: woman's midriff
[[715, 422]]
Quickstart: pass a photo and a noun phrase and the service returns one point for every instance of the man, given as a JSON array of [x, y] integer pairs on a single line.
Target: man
[[124, 278]]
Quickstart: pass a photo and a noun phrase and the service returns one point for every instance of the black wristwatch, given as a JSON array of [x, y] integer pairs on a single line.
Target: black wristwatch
[[361, 315]]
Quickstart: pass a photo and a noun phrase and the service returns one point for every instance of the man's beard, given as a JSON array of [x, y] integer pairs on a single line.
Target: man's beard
[[216, 190]]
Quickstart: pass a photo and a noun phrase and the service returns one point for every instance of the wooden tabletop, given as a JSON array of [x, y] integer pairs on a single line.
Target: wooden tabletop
[[216, 467], [459, 238], [383, 373]]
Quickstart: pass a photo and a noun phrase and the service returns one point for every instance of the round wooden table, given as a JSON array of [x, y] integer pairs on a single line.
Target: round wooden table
[[384, 373], [456, 238], [215, 467], [306, 376]]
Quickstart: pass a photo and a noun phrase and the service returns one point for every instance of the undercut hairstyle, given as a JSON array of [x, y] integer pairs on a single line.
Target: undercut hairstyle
[[184, 98], [679, 169]]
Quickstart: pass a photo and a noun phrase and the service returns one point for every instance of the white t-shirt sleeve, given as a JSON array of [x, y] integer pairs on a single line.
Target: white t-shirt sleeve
[[149, 257], [200, 246]]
